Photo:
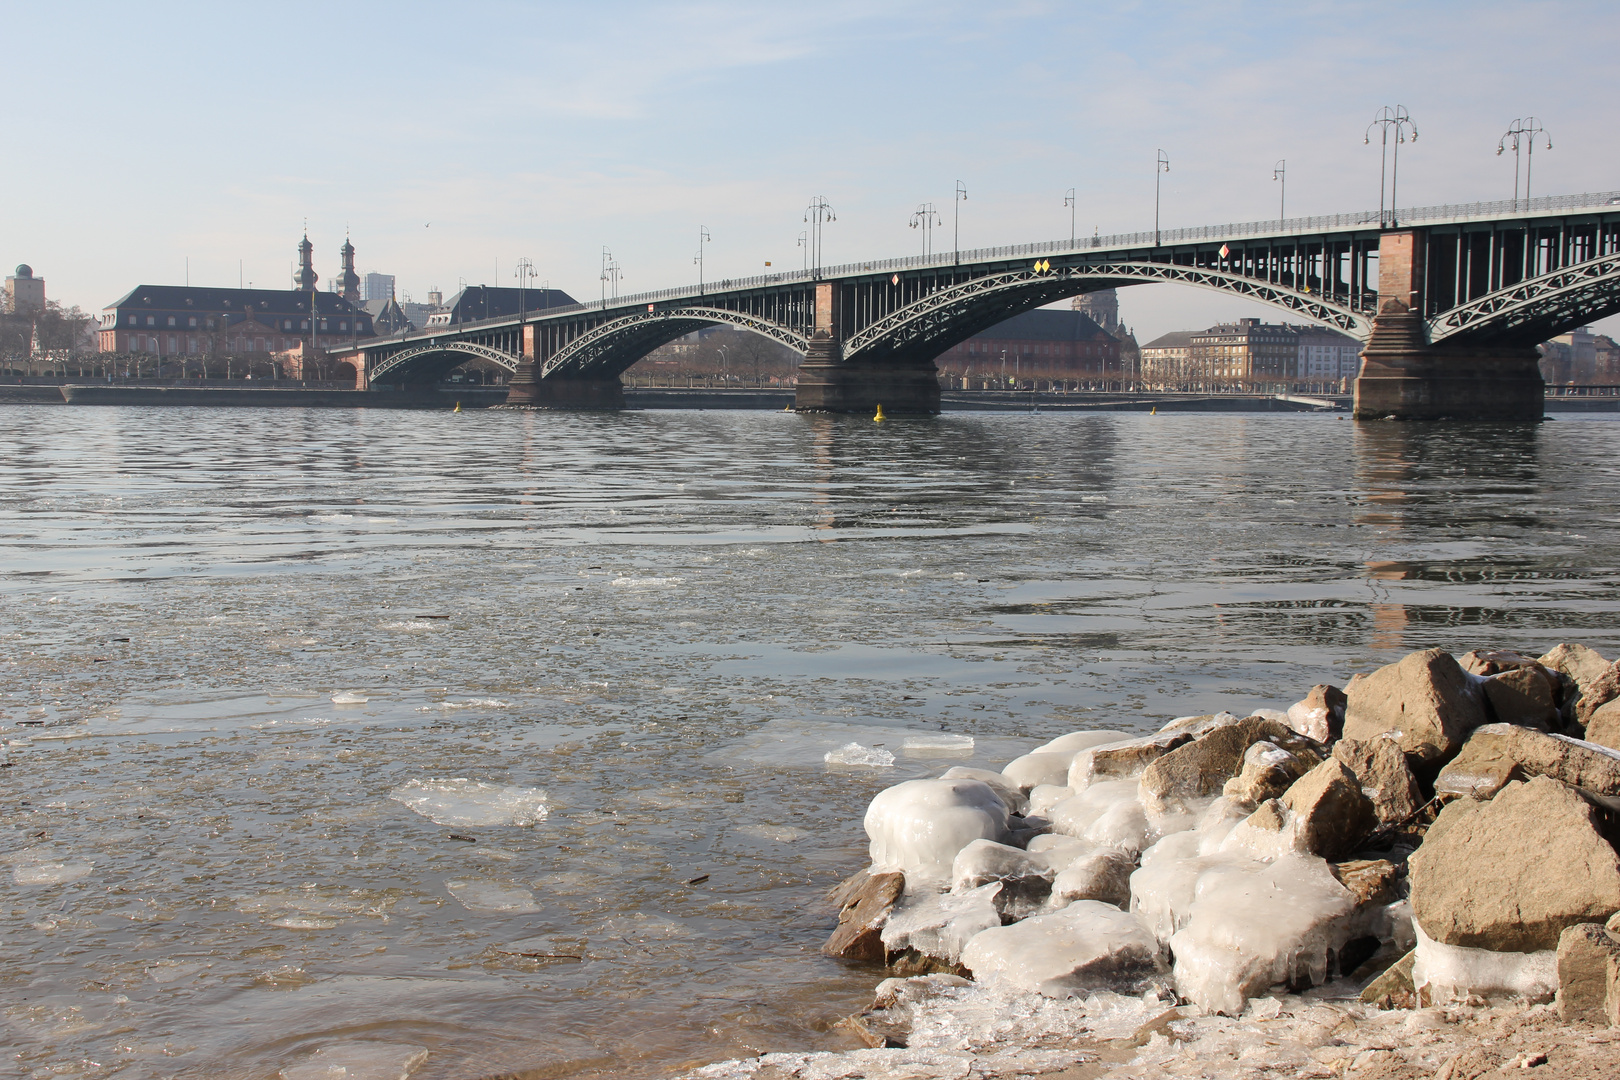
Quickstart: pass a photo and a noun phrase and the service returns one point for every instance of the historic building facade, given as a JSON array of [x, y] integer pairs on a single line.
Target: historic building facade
[[1038, 345]]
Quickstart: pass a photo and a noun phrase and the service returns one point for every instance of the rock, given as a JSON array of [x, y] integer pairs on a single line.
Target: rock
[[1523, 695], [1087, 946], [1331, 815], [1425, 701], [917, 827], [940, 925], [1603, 725], [1044, 797], [1017, 802], [1198, 725], [1103, 875], [1611, 1005], [1487, 662], [1122, 760], [1384, 775], [865, 902], [1026, 880], [1498, 754], [1599, 692], [1583, 665], [1105, 814], [1368, 881], [1508, 875], [1200, 768], [1320, 714], [1393, 989], [1267, 772], [1584, 953], [1037, 769]]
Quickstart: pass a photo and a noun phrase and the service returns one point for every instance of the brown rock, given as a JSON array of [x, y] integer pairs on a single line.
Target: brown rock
[[1611, 1004], [1603, 725], [1368, 880], [1267, 772], [1584, 952], [1497, 754], [1331, 815], [1385, 777], [1510, 874], [1203, 766], [1492, 661], [1103, 875], [865, 901], [1599, 692], [1393, 989], [1581, 664], [1523, 695], [1123, 760], [1425, 701], [1320, 714]]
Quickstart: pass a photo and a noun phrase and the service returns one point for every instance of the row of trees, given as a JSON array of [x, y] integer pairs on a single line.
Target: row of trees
[[722, 356]]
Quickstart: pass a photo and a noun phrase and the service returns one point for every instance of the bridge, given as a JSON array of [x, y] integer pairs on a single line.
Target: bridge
[[1449, 301]]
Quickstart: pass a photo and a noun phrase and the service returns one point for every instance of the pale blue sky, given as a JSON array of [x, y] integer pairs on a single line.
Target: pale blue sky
[[140, 135]]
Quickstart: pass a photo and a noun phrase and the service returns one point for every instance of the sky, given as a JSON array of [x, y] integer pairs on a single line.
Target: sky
[[149, 142]]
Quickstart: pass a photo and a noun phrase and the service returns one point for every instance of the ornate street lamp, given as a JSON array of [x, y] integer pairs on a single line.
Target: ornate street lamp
[[925, 218], [1398, 120], [1161, 166], [1523, 132]]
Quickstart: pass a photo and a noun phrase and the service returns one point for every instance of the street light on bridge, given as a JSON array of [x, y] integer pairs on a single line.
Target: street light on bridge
[[1279, 172], [1398, 119], [818, 213], [956, 233], [525, 273], [703, 238], [610, 274], [1160, 166], [1523, 130], [1069, 201], [925, 218]]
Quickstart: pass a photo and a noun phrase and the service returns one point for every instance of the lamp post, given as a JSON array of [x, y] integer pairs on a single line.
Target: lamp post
[[525, 273], [611, 273], [1279, 172], [925, 218], [1069, 200], [1388, 118], [817, 214], [1523, 132], [703, 238], [1161, 165], [956, 232], [804, 246]]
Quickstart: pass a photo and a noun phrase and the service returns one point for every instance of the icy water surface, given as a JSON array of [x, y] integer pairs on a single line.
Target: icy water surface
[[493, 744]]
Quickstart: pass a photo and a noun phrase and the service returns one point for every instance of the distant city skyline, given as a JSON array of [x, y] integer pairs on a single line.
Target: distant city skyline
[[647, 122]]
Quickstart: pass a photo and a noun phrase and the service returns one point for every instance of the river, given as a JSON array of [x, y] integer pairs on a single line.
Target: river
[[249, 657]]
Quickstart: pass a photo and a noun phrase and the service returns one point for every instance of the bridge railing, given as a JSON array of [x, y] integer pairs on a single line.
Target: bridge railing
[[1248, 230]]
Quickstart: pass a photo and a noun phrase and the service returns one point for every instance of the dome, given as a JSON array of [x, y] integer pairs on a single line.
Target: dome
[[24, 270]]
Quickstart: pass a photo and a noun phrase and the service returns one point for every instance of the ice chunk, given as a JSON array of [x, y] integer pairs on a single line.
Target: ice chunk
[[855, 754], [938, 743], [802, 743], [1026, 879], [1059, 850], [49, 873], [1254, 925], [1165, 886], [918, 827], [492, 897], [1076, 814], [940, 925], [358, 1061], [1076, 741], [1044, 797], [1016, 803], [1038, 769], [473, 803], [1088, 945], [1448, 973], [647, 582], [349, 697]]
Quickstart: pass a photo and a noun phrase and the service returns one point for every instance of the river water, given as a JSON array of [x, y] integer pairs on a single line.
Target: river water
[[608, 653]]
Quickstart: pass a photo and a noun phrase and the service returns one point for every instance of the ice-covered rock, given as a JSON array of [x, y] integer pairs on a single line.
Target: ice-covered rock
[[1199, 725], [1267, 772], [1076, 741], [1426, 701], [1380, 766], [917, 827], [472, 803], [1026, 879], [1200, 769], [853, 753], [1045, 796], [865, 902], [940, 924], [1498, 753], [1319, 715], [1447, 973], [1059, 850], [1257, 925], [1123, 760], [1103, 874], [1088, 945], [1585, 952], [1509, 874], [1165, 886], [1015, 799], [1038, 769], [1108, 812]]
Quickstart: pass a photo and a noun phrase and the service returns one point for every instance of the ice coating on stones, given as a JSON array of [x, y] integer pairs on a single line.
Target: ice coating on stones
[[917, 827], [1076, 741], [1040, 769], [1086, 945], [1447, 973], [939, 925], [472, 803], [854, 753], [1254, 925]]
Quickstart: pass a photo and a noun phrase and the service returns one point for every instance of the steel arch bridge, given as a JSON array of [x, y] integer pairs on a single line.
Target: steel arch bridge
[[1483, 274]]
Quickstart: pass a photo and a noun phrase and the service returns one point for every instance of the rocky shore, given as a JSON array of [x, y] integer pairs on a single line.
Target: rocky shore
[[1414, 876]]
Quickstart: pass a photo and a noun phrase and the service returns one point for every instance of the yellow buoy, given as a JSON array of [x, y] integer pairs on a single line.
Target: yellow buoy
[[1155, 411], [879, 417], [787, 408], [458, 406]]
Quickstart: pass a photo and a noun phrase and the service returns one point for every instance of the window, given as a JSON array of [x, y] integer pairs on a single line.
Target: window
[[323, 324], [192, 322], [174, 343], [171, 320], [343, 325], [151, 321], [304, 325]]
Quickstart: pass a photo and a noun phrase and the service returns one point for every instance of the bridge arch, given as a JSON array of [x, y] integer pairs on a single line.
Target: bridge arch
[[610, 348], [1533, 310], [431, 360]]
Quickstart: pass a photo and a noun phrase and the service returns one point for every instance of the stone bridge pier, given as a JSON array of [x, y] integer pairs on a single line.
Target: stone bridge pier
[[829, 383], [1405, 377], [526, 387]]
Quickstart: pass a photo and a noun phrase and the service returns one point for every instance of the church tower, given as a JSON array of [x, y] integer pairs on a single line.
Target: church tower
[[349, 281], [307, 277], [1101, 307]]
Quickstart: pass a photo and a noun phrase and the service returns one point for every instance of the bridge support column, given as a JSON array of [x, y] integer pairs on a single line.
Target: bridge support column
[[828, 383], [1404, 377]]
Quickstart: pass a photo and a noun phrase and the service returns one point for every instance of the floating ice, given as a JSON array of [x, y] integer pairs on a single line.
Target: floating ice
[[802, 743], [304, 922], [473, 803], [1088, 945], [358, 1061], [855, 754], [941, 743], [49, 873], [941, 925], [349, 697], [647, 582], [475, 703], [492, 897]]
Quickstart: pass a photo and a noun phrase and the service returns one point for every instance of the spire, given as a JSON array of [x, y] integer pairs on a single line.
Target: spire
[[307, 277], [349, 281]]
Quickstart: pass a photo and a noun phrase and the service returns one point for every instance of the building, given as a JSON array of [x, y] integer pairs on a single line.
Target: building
[[1167, 361], [348, 282], [376, 286], [1101, 307], [477, 302], [387, 316], [1038, 345], [1248, 355], [25, 293], [1327, 356], [1580, 358]]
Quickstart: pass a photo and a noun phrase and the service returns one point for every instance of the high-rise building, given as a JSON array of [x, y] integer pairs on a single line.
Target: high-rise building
[[376, 286]]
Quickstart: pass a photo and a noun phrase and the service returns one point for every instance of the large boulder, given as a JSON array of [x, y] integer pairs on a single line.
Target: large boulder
[[1331, 815], [1320, 714], [865, 901], [1584, 954], [918, 827], [1524, 695], [1603, 725], [1123, 760], [1268, 771], [1425, 701], [1497, 754], [1385, 777], [1201, 768], [1103, 874], [1086, 946], [1510, 874]]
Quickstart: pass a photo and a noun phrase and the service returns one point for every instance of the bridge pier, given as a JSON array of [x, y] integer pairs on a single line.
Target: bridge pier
[[1404, 377], [827, 383], [559, 392]]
